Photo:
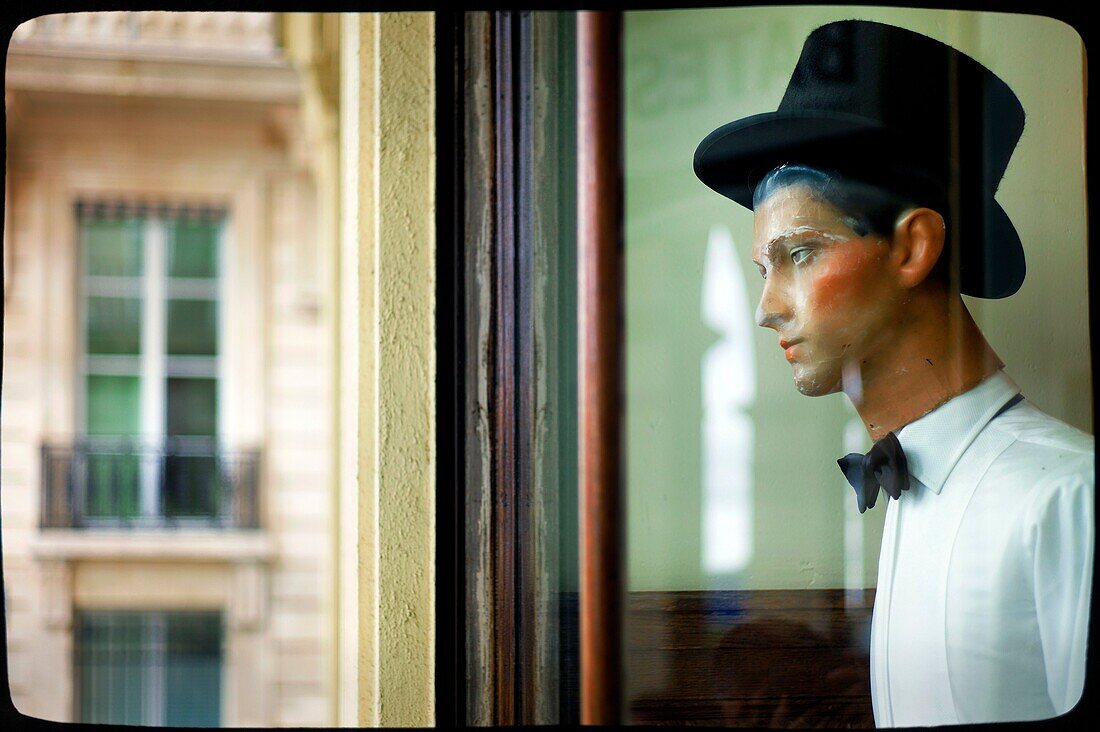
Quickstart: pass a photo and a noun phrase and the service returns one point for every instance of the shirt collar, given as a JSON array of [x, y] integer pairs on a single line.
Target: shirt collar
[[934, 443]]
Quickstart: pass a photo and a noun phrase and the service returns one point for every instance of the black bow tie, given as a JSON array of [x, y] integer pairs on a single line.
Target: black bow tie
[[883, 466]]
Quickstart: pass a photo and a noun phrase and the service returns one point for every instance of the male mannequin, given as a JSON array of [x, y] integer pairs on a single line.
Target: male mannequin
[[982, 602]]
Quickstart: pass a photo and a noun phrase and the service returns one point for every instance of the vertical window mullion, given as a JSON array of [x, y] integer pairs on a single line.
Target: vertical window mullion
[[147, 643], [504, 387], [77, 497], [110, 713], [527, 537], [94, 669], [81, 423], [222, 360], [153, 381], [600, 378]]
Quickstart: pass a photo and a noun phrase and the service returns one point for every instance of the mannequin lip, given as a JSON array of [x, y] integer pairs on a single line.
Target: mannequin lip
[[788, 347]]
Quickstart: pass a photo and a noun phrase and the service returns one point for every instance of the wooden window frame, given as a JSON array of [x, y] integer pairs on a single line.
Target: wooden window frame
[[450, 651], [601, 364], [489, 419]]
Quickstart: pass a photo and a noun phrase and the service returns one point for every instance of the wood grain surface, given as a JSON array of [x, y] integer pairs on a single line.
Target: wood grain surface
[[765, 658]]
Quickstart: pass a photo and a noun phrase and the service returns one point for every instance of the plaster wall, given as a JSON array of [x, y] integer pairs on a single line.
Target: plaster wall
[[387, 259]]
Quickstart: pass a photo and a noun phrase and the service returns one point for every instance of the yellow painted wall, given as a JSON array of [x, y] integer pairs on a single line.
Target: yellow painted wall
[[388, 365]]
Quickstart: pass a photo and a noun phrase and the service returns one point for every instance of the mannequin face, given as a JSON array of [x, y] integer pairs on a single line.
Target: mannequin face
[[828, 293]]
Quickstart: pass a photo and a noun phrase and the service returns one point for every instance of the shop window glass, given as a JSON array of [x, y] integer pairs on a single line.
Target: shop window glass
[[751, 571]]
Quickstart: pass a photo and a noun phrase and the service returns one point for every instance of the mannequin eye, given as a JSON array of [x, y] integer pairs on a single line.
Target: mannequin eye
[[799, 255], [763, 272]]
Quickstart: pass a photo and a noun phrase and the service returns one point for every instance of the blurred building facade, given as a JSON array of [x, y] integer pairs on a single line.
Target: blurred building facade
[[219, 419], [169, 463]]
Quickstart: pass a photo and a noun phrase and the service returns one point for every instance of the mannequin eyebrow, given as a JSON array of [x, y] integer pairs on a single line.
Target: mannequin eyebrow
[[777, 242]]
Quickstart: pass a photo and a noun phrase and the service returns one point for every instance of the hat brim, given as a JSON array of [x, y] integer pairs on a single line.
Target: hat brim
[[733, 159], [992, 263]]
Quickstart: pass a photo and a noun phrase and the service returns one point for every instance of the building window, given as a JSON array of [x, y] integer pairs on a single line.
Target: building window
[[149, 668], [150, 357], [148, 406]]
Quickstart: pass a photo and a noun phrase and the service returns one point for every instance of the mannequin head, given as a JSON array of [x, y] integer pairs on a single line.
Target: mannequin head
[[849, 271], [861, 288]]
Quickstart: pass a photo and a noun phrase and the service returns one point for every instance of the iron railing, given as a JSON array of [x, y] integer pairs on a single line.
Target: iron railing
[[183, 482]]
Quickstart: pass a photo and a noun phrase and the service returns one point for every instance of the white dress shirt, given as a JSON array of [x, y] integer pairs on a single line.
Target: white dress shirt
[[981, 611]]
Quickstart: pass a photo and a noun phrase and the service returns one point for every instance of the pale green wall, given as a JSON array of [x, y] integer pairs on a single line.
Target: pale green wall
[[689, 71]]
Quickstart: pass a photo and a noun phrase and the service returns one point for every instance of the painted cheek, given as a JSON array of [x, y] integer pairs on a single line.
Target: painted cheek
[[842, 280]]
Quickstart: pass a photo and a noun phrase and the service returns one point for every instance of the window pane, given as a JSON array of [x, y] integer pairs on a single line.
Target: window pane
[[192, 406], [114, 325], [132, 679], [751, 571], [193, 678], [112, 668], [114, 405], [191, 486], [193, 248], [113, 248], [192, 327], [112, 485], [129, 673]]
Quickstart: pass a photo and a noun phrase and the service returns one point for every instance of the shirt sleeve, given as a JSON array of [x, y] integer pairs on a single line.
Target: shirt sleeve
[[1061, 539]]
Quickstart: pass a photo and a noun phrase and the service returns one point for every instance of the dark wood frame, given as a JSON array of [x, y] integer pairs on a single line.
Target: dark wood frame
[[504, 406], [487, 470], [512, 623], [600, 309], [496, 133], [450, 672], [602, 683]]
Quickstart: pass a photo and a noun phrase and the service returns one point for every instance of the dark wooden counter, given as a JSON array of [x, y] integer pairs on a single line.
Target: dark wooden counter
[[774, 658]]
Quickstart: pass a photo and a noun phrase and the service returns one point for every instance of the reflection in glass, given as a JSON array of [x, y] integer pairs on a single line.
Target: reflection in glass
[[729, 388], [751, 572], [855, 440]]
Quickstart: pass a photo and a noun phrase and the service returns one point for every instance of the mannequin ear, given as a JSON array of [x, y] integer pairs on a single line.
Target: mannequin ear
[[918, 242]]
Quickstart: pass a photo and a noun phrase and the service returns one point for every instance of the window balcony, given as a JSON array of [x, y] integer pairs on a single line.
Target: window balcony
[[123, 483]]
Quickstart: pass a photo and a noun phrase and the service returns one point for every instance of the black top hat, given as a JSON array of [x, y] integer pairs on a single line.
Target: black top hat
[[901, 110]]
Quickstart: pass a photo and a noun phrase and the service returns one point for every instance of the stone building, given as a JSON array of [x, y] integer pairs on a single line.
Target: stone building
[[168, 408]]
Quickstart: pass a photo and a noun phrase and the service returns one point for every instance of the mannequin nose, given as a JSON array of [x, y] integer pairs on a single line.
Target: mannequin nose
[[772, 310]]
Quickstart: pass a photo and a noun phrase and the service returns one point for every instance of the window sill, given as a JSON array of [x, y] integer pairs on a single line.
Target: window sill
[[213, 545]]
